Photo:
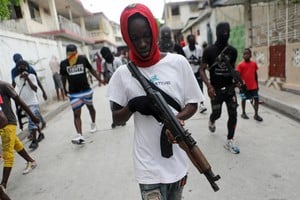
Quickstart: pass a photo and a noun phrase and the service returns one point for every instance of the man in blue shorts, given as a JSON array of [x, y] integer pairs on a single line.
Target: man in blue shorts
[[248, 72], [74, 70]]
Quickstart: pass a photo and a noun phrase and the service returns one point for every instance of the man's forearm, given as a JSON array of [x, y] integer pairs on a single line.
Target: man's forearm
[[188, 111], [204, 76]]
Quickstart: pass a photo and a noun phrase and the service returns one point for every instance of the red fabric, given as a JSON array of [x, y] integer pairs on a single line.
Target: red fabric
[[154, 55], [182, 43], [98, 63], [247, 71], [1, 101]]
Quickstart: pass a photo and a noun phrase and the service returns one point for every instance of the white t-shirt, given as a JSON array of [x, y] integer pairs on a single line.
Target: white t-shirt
[[111, 67], [28, 95], [195, 54], [174, 76]]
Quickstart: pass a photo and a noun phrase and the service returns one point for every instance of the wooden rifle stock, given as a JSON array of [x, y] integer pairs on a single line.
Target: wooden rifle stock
[[182, 136]]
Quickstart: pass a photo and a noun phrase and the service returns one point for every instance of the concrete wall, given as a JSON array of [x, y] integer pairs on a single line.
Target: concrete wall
[[292, 67], [261, 56]]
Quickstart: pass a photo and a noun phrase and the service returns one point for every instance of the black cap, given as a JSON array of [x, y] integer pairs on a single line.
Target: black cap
[[71, 48]]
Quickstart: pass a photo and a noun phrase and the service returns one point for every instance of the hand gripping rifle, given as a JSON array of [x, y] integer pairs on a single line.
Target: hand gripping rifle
[[182, 136]]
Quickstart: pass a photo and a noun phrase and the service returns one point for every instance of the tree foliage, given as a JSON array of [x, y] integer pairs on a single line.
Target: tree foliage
[[5, 8]]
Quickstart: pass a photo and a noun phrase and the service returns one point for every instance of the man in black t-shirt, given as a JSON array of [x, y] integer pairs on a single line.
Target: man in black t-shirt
[[220, 59], [74, 70]]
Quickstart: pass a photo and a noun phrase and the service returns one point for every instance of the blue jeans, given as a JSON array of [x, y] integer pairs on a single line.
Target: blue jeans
[[35, 109], [161, 191]]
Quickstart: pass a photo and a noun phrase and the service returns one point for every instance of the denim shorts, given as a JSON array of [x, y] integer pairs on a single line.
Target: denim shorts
[[35, 109], [161, 191], [250, 94]]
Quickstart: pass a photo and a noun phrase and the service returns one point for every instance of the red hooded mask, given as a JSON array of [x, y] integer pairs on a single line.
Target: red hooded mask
[[154, 55]]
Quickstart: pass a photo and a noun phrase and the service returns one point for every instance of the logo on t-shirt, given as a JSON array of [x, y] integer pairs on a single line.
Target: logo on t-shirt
[[75, 69], [154, 79]]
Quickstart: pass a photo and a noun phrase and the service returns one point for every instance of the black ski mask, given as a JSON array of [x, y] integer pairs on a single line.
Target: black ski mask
[[223, 33], [192, 43], [165, 43]]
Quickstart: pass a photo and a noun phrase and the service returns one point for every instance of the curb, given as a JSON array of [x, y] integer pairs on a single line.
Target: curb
[[285, 109]]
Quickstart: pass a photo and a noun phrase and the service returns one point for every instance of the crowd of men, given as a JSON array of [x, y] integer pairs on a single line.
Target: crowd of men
[[153, 53]]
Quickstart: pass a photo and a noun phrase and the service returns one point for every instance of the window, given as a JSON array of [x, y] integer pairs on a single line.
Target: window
[[175, 10], [16, 12], [34, 11]]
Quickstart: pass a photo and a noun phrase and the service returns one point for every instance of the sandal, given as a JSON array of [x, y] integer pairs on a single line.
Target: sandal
[[258, 118]]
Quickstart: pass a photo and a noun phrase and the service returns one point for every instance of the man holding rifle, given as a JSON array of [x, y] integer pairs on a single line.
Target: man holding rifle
[[161, 171], [219, 59]]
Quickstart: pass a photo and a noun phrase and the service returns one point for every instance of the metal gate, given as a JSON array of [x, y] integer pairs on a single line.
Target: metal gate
[[277, 61]]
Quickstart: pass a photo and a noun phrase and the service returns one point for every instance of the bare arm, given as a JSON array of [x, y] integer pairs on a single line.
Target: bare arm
[[120, 114], [188, 111], [42, 88], [64, 82], [20, 102], [94, 73], [210, 89]]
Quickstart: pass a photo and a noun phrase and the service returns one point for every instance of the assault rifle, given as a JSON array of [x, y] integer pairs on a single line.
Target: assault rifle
[[182, 136], [21, 115], [223, 61]]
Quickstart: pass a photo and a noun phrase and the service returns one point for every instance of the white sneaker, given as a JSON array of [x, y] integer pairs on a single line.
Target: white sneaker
[[78, 139], [232, 147], [202, 108], [29, 166], [93, 128]]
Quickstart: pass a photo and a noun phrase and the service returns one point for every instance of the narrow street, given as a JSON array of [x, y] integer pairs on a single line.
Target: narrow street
[[266, 168]]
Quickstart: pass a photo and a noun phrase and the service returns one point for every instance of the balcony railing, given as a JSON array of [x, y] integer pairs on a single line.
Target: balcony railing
[[66, 24]]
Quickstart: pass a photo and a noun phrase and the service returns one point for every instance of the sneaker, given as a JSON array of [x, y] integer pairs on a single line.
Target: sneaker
[[232, 147], [211, 126], [78, 139], [202, 108], [93, 128], [244, 116], [40, 137], [29, 166], [34, 145], [258, 118], [3, 194]]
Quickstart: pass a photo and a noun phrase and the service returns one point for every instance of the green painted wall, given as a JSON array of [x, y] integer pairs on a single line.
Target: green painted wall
[[237, 39]]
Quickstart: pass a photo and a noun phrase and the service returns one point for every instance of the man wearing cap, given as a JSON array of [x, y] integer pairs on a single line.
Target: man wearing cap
[[14, 73], [74, 70]]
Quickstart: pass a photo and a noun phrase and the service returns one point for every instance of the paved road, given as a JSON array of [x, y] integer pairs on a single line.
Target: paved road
[[266, 169]]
